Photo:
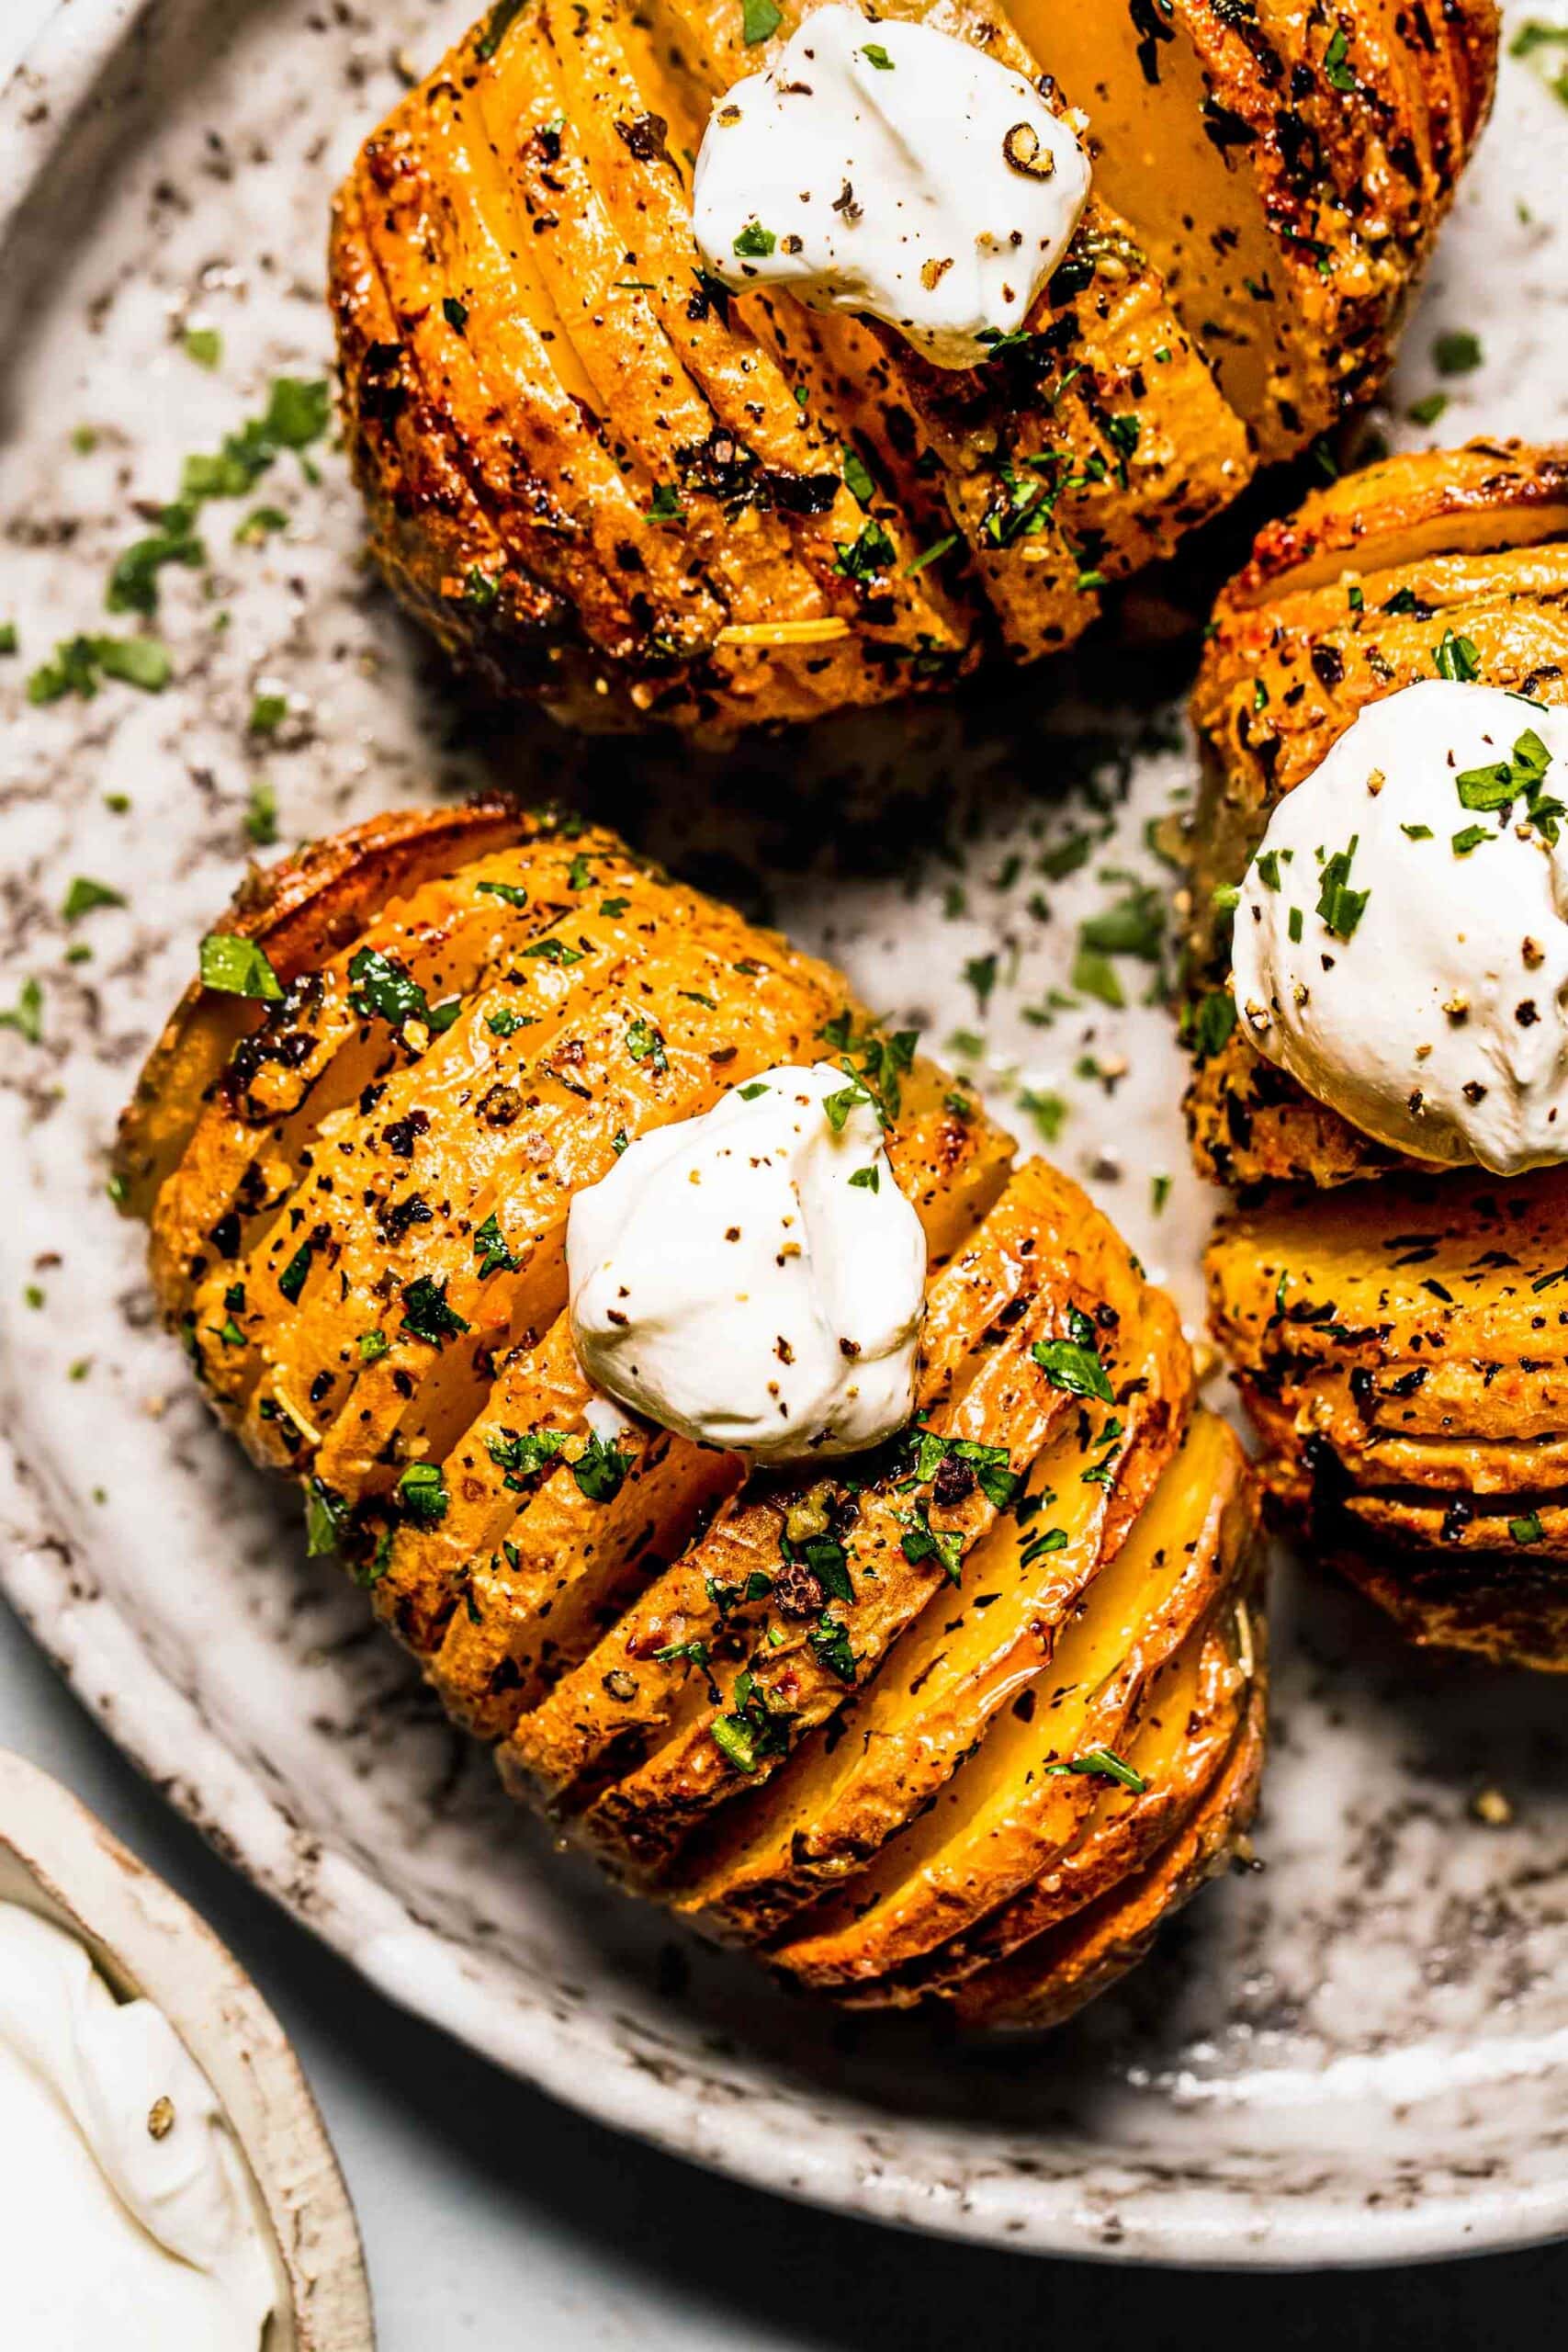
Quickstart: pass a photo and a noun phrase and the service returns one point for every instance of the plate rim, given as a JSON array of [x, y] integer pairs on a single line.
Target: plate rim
[[1190, 2225]]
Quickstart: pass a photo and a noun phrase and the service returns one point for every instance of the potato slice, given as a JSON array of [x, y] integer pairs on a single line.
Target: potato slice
[[1052, 1978], [863, 1778], [1189, 1715], [1008, 1815], [297, 913]]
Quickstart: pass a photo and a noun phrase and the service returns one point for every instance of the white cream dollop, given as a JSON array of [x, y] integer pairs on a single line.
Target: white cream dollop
[[754, 1278], [128, 2217], [1440, 1025], [890, 168]]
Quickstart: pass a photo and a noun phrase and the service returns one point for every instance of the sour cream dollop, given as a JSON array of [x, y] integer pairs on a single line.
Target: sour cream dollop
[[1425, 991], [754, 1278], [128, 2217], [889, 168]]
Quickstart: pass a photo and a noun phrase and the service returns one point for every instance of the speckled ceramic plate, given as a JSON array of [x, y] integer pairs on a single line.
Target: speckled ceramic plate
[[1360, 2052]]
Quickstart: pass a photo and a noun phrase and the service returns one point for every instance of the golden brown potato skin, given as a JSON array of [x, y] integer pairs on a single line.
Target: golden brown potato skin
[[1394, 1332], [357, 1196], [601, 479]]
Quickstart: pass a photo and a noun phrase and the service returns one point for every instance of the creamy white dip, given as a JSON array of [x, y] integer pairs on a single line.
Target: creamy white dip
[[754, 1278], [127, 2217], [892, 169], [1401, 941]]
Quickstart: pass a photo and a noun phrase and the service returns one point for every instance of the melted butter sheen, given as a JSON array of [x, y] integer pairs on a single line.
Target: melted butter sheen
[[127, 2219], [754, 1278], [891, 169], [1440, 1024]]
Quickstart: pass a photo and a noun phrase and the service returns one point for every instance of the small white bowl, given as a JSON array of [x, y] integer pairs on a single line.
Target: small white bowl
[[58, 1859]]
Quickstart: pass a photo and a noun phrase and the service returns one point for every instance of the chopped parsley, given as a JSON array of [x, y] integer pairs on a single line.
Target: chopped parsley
[[755, 242], [498, 24], [760, 20], [267, 714], [1074, 1363], [1500, 782], [837, 1107], [753, 1730], [84, 894], [830, 1639], [520, 1454], [379, 985], [456, 313], [512, 893], [600, 1470], [1458, 352], [490, 1248], [1340, 908], [1101, 1764], [863, 557], [1335, 72], [1048, 1112], [875, 54], [80, 662], [427, 1315], [1527, 1529], [261, 815], [1093, 974], [551, 951], [236, 967], [1135, 926], [133, 578], [646, 1043], [326, 1516], [690, 1654], [373, 1346], [422, 1491], [867, 1179], [859, 479], [1209, 1023], [665, 505], [921, 1540], [1457, 657], [1471, 838], [293, 1278], [25, 1016], [980, 972]]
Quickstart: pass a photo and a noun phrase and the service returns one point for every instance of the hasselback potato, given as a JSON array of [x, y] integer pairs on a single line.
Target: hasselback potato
[[1026, 1719], [607, 482], [1395, 1332]]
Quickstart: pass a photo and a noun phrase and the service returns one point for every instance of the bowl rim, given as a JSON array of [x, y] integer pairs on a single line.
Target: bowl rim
[[147, 1942]]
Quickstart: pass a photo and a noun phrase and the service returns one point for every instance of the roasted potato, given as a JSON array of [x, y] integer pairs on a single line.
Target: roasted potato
[[1394, 1332], [1015, 1716], [1347, 600], [1403, 1348], [604, 481]]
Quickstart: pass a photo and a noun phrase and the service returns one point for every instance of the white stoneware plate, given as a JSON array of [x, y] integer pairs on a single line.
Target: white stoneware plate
[[55, 1858], [1358, 2054]]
